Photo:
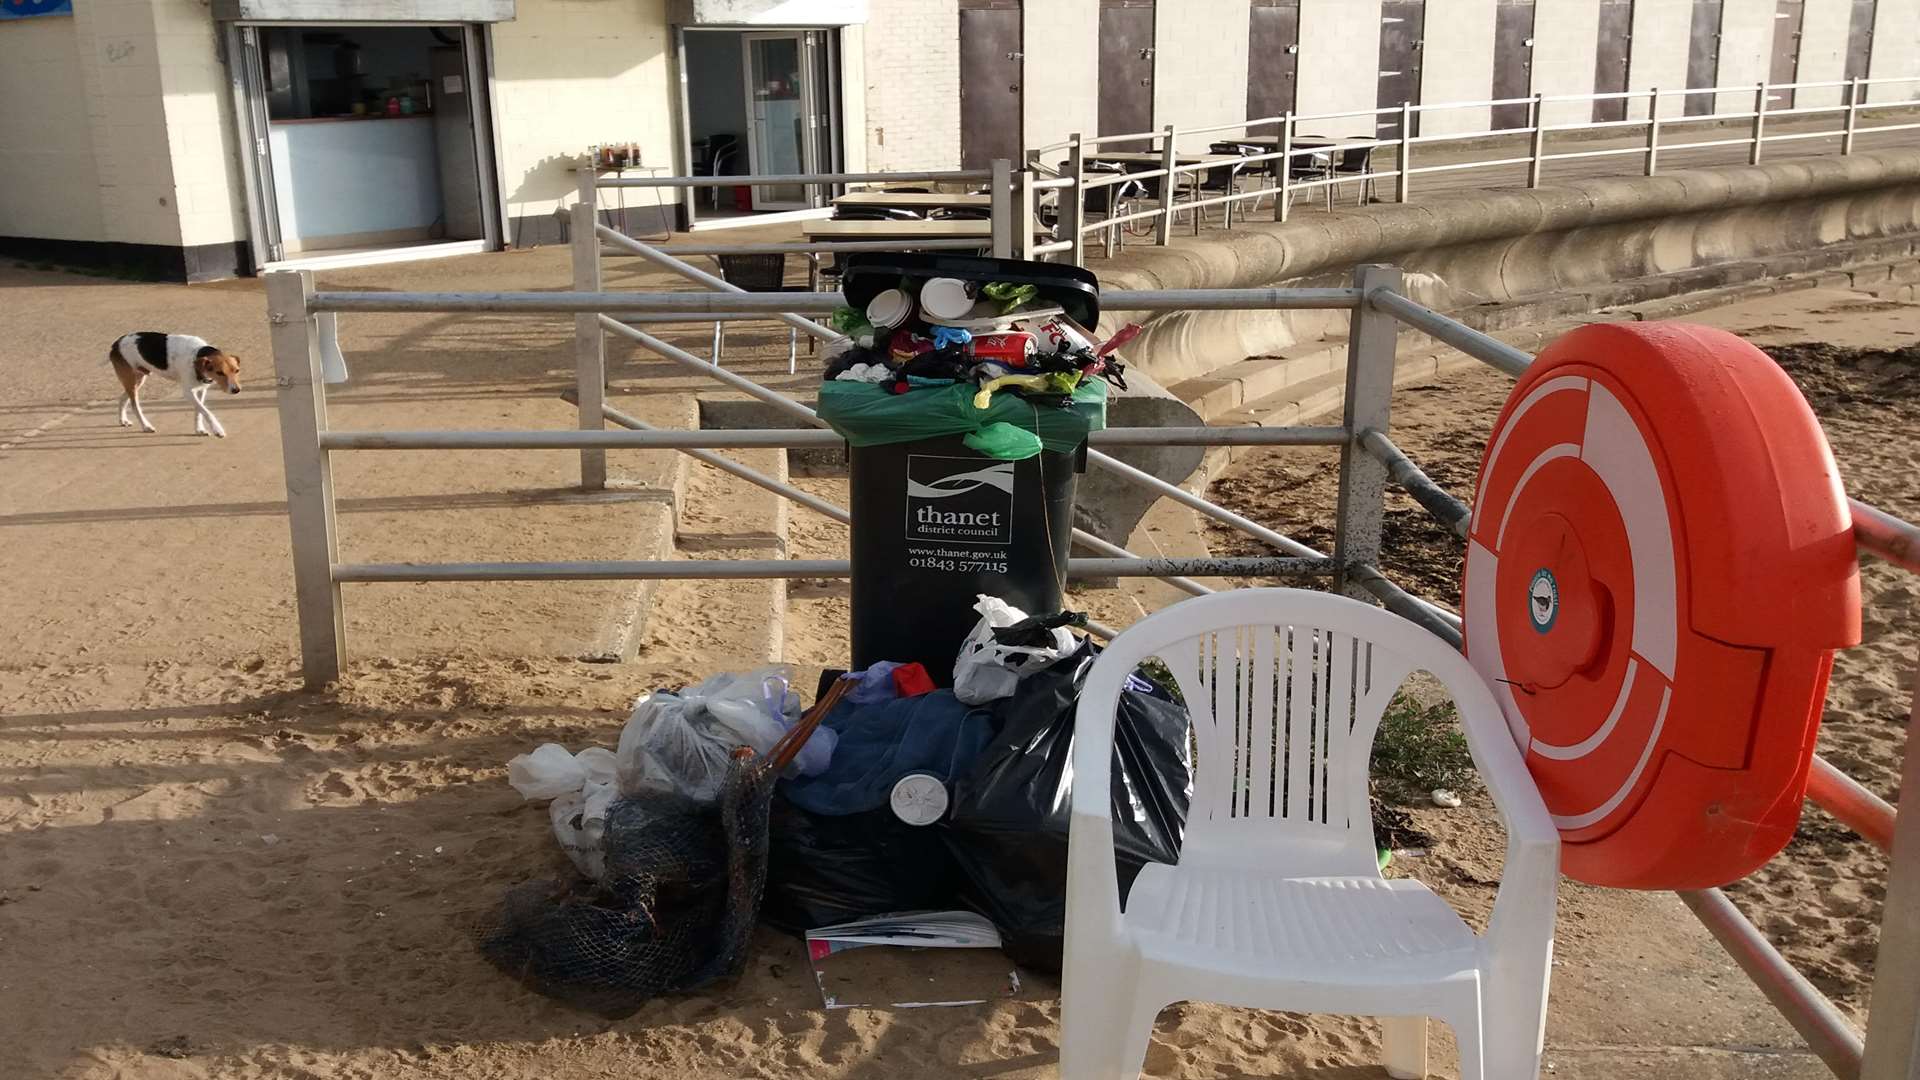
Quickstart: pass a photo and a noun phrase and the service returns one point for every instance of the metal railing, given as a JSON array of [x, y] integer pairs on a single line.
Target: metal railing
[[301, 329], [1502, 148]]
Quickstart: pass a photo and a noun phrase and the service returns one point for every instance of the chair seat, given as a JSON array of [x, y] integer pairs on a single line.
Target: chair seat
[[1332, 930]]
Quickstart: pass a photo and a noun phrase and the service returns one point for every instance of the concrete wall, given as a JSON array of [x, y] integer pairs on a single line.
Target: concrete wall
[[49, 186], [1339, 60], [1200, 67], [209, 187], [568, 74], [1746, 51], [1458, 65], [1896, 49], [1061, 80], [1658, 56], [913, 85], [1566, 34], [1823, 51]]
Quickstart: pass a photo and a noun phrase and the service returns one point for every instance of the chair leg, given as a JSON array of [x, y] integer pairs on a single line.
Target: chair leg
[[1108, 1041], [1467, 1036], [1405, 1039], [719, 341]]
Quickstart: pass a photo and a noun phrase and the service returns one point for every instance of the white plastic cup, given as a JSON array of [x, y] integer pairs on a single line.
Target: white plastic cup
[[946, 298], [890, 309]]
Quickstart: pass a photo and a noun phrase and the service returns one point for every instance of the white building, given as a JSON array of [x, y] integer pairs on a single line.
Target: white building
[[197, 139]]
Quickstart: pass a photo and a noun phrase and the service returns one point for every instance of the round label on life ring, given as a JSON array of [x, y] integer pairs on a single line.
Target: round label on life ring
[[1658, 568], [1543, 600], [919, 799]]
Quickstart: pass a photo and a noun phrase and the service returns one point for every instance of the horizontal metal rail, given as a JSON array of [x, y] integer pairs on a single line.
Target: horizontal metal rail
[[1446, 509], [764, 569], [1832, 1039], [786, 179], [1851, 803], [828, 247], [645, 437], [735, 303], [1885, 536], [1487, 349]]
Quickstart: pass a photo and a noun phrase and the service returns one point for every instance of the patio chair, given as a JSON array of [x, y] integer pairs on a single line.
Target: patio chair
[[1108, 200], [717, 160], [1277, 901], [1222, 180], [1356, 162], [758, 273]]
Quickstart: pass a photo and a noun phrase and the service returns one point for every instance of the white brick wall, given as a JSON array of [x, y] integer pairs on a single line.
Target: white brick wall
[[48, 181], [1566, 33], [571, 73], [1061, 79], [1658, 58], [1823, 51], [1896, 50], [1200, 66], [913, 85], [1457, 65], [1746, 51], [1340, 59]]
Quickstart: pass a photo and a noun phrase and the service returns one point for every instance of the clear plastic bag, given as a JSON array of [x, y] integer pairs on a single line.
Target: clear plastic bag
[[662, 751], [580, 825], [755, 708], [987, 670], [550, 772]]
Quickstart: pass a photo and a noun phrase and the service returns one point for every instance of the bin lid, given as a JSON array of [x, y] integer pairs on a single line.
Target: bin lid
[[1074, 289]]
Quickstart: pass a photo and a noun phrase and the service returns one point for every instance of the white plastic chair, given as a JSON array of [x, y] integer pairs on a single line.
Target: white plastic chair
[[1278, 901]]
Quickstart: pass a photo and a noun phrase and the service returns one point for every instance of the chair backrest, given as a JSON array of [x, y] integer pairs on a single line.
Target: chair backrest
[[1286, 688], [1353, 159], [755, 273]]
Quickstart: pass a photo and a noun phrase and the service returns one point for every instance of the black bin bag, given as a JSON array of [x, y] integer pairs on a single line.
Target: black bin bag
[[823, 869], [1007, 828]]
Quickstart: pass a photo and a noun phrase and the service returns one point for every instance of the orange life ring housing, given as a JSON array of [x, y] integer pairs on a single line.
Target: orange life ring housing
[[1660, 565]]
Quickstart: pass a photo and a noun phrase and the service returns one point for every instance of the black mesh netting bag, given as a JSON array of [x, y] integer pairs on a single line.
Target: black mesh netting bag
[[682, 893], [1007, 826]]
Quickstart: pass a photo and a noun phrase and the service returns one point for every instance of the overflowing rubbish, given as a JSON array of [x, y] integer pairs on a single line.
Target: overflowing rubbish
[[990, 666], [682, 892], [946, 345]]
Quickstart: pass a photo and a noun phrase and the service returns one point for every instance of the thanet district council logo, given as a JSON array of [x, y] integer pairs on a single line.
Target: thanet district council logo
[[27, 9], [959, 500]]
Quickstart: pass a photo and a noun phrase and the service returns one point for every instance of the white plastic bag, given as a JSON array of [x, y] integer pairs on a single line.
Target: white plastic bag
[[580, 825], [548, 773], [987, 670], [755, 708], [662, 750]]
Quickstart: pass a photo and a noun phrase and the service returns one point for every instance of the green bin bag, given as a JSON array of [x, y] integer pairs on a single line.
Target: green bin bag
[[868, 415]]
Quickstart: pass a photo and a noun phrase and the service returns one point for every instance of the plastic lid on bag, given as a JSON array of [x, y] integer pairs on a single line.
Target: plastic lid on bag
[[919, 799], [889, 309]]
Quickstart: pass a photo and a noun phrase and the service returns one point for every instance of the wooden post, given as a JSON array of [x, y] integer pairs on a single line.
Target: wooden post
[[1168, 158], [1759, 123], [589, 345], [302, 397], [1369, 404], [1538, 153], [1403, 189], [1002, 188], [1853, 114], [1073, 200], [1653, 130], [1282, 204]]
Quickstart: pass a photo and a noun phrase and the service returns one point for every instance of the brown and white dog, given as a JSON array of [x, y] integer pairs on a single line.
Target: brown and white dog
[[185, 359]]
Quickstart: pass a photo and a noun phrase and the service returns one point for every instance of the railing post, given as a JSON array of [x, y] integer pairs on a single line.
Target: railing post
[[1168, 158], [589, 345], [1023, 218], [1759, 123], [1074, 200], [1404, 187], [1653, 130], [1369, 405], [1893, 1023], [1002, 187], [303, 416], [1854, 91], [1537, 154], [1283, 202]]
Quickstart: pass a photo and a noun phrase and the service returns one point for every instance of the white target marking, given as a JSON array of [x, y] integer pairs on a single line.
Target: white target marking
[[1581, 821], [1592, 742]]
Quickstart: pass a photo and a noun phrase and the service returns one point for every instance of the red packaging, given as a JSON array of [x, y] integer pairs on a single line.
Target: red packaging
[[1013, 348], [912, 680], [905, 347]]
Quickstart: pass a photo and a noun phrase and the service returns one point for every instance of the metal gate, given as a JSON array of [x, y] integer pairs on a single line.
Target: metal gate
[[1859, 43], [1787, 19], [1273, 57], [1402, 24], [990, 82], [1512, 61], [1126, 66], [1610, 58], [1703, 55]]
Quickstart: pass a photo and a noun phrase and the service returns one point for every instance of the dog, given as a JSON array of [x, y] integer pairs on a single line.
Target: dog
[[187, 360]]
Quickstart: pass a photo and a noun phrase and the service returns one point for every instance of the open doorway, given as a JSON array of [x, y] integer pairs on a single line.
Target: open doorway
[[760, 103], [369, 141]]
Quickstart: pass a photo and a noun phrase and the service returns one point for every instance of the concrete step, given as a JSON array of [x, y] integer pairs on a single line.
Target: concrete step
[[1235, 385], [644, 472]]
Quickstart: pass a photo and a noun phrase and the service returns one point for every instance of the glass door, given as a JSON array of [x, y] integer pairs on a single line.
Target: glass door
[[781, 116]]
